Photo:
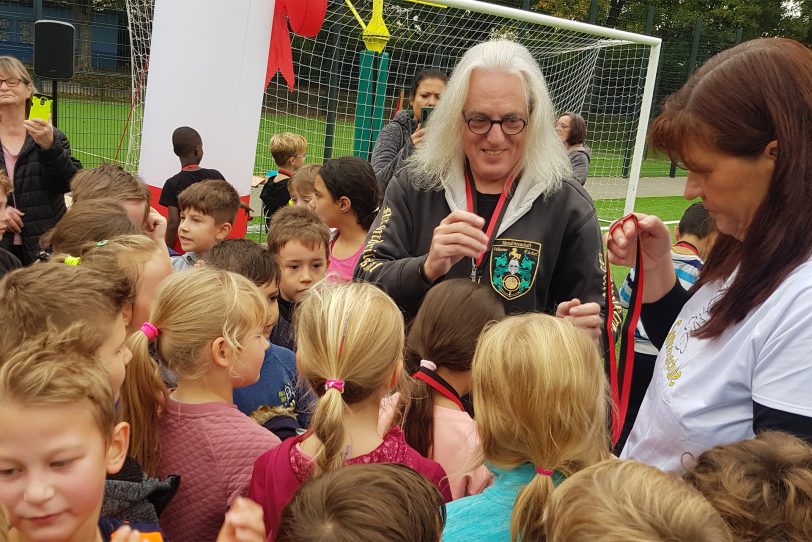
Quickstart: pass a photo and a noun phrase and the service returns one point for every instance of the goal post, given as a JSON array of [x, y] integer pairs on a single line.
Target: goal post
[[345, 93]]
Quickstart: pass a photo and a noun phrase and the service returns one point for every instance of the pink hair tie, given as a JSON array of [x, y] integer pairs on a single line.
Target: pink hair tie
[[334, 384], [430, 365], [149, 330], [544, 472]]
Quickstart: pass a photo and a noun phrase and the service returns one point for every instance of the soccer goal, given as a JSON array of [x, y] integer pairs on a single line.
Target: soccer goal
[[346, 93]]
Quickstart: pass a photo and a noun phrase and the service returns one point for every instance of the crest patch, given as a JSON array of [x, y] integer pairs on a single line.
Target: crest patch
[[514, 266]]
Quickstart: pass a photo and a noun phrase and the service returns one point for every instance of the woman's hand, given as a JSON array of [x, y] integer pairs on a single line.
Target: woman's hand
[[41, 131], [655, 240], [243, 522], [586, 316], [417, 136]]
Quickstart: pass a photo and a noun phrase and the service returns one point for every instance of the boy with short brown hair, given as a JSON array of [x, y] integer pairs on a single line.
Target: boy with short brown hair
[[207, 213], [301, 244]]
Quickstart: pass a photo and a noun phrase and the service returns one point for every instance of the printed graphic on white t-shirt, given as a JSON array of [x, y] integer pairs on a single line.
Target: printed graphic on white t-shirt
[[702, 391]]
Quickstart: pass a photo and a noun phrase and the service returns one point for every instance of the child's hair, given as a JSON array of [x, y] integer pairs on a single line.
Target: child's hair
[[143, 393], [184, 141], [439, 335], [617, 501], [762, 487], [53, 296], [365, 503], [297, 224], [245, 257], [304, 179], [109, 181], [696, 221], [422, 75], [354, 179], [285, 146], [350, 332], [125, 254], [85, 222], [213, 197], [541, 397], [192, 309], [48, 370], [7, 188]]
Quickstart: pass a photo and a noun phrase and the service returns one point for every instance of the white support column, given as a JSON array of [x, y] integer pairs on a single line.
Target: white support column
[[206, 70], [642, 128]]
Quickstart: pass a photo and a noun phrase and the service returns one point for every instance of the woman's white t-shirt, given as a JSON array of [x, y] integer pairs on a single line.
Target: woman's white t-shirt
[[702, 391]]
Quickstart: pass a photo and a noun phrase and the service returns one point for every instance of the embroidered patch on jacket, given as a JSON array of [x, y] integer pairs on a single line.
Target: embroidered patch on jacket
[[514, 266]]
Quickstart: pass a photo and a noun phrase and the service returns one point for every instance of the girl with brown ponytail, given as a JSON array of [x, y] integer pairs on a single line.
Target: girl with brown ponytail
[[350, 350], [439, 350]]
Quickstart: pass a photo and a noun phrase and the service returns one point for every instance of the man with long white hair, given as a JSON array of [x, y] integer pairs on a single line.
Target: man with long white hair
[[490, 195]]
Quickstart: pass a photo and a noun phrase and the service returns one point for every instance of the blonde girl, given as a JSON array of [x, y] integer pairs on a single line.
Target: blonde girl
[[350, 350], [206, 327], [439, 350], [145, 264], [541, 401]]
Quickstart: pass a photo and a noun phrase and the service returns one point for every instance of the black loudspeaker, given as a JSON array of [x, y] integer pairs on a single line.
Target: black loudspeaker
[[54, 50]]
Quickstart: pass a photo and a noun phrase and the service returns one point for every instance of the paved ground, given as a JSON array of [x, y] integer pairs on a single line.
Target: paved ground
[[647, 187]]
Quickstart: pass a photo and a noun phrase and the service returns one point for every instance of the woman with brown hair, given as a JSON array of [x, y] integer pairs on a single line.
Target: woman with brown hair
[[38, 160], [571, 130], [734, 357]]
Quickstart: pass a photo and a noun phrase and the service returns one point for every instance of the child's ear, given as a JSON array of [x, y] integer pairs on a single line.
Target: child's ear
[[117, 450], [344, 204], [394, 379], [223, 230], [221, 353], [127, 312]]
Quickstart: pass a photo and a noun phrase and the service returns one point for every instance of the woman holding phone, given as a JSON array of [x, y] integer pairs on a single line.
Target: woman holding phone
[[38, 161], [399, 138]]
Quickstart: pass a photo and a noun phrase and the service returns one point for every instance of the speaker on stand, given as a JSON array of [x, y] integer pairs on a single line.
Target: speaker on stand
[[54, 51]]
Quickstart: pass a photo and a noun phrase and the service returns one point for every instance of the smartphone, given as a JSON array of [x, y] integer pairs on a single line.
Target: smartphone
[[40, 107], [425, 113]]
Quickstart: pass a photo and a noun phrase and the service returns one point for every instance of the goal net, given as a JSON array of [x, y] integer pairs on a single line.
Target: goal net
[[345, 94]]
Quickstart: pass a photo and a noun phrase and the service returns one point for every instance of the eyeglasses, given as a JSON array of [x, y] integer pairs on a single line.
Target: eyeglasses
[[13, 82], [482, 125]]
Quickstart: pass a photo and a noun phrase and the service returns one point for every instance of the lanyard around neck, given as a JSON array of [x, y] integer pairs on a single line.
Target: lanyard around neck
[[439, 384], [687, 246], [496, 217]]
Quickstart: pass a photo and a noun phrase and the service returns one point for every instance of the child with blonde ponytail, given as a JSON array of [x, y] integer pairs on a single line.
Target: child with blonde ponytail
[[350, 350], [207, 327], [541, 401]]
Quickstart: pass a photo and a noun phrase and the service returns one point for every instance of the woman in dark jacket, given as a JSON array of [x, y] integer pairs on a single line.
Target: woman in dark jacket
[[38, 160], [399, 138]]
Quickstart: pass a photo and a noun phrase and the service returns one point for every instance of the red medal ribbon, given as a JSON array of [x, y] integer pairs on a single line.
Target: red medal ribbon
[[621, 383], [438, 383], [498, 212]]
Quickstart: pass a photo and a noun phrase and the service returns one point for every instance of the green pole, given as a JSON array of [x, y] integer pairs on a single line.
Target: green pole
[[362, 105], [379, 108]]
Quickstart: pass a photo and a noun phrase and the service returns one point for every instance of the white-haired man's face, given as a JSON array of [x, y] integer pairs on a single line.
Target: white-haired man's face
[[493, 156]]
